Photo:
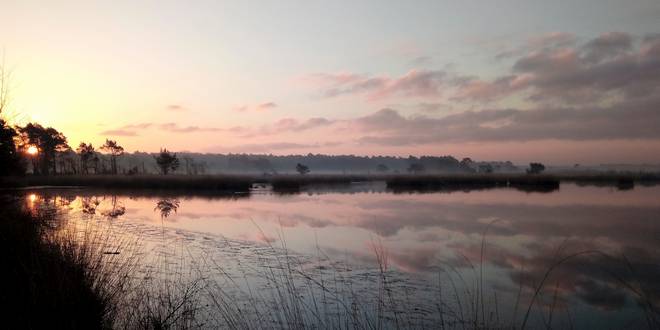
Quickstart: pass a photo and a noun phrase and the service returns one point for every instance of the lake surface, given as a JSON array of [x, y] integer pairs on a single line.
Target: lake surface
[[593, 253]]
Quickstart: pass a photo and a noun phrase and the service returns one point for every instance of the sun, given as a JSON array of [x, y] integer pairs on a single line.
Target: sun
[[32, 150]]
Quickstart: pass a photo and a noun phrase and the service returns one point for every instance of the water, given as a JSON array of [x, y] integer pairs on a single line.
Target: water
[[440, 248]]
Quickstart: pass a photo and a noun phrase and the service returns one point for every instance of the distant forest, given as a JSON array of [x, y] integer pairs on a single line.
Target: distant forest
[[198, 163], [36, 149], [41, 150]]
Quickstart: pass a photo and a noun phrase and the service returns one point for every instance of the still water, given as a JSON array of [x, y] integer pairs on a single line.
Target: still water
[[586, 256]]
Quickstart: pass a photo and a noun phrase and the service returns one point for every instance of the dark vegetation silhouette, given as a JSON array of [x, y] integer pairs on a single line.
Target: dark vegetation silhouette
[[447, 183], [166, 206], [466, 162], [167, 161], [43, 285], [302, 169], [11, 162], [49, 143], [58, 277], [115, 150], [88, 158], [535, 168]]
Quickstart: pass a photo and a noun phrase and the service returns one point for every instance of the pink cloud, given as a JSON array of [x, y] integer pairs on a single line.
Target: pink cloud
[[413, 84], [119, 132], [259, 107], [266, 106], [241, 108], [176, 108], [483, 91]]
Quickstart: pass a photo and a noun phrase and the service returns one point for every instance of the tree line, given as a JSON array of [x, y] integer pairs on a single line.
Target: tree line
[[46, 151], [51, 154]]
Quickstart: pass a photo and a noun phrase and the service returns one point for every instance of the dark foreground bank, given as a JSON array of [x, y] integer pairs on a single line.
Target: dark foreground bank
[[57, 276], [45, 284]]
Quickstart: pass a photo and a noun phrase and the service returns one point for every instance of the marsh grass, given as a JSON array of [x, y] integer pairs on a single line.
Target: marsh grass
[[233, 183], [304, 297], [542, 183], [217, 183], [47, 281]]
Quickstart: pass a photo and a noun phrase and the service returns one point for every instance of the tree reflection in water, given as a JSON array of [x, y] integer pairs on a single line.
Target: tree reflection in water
[[118, 209], [89, 205], [166, 206]]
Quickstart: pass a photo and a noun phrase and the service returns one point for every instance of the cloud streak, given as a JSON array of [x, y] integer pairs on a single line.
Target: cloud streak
[[415, 83], [626, 120], [127, 130], [134, 129], [265, 106], [175, 128], [289, 125], [119, 132], [610, 66], [271, 147], [176, 108]]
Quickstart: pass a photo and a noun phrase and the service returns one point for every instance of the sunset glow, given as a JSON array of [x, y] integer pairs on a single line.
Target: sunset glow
[[32, 150], [557, 83]]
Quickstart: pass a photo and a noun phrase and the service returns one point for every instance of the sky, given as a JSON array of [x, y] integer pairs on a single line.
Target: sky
[[560, 82]]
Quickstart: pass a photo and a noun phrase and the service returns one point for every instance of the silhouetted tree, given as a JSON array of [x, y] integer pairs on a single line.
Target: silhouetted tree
[[467, 164], [115, 150], [302, 169], [415, 168], [86, 152], [48, 141], [11, 162], [535, 168], [167, 161]]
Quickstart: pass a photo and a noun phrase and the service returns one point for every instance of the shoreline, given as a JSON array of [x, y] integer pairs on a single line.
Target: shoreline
[[232, 184]]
